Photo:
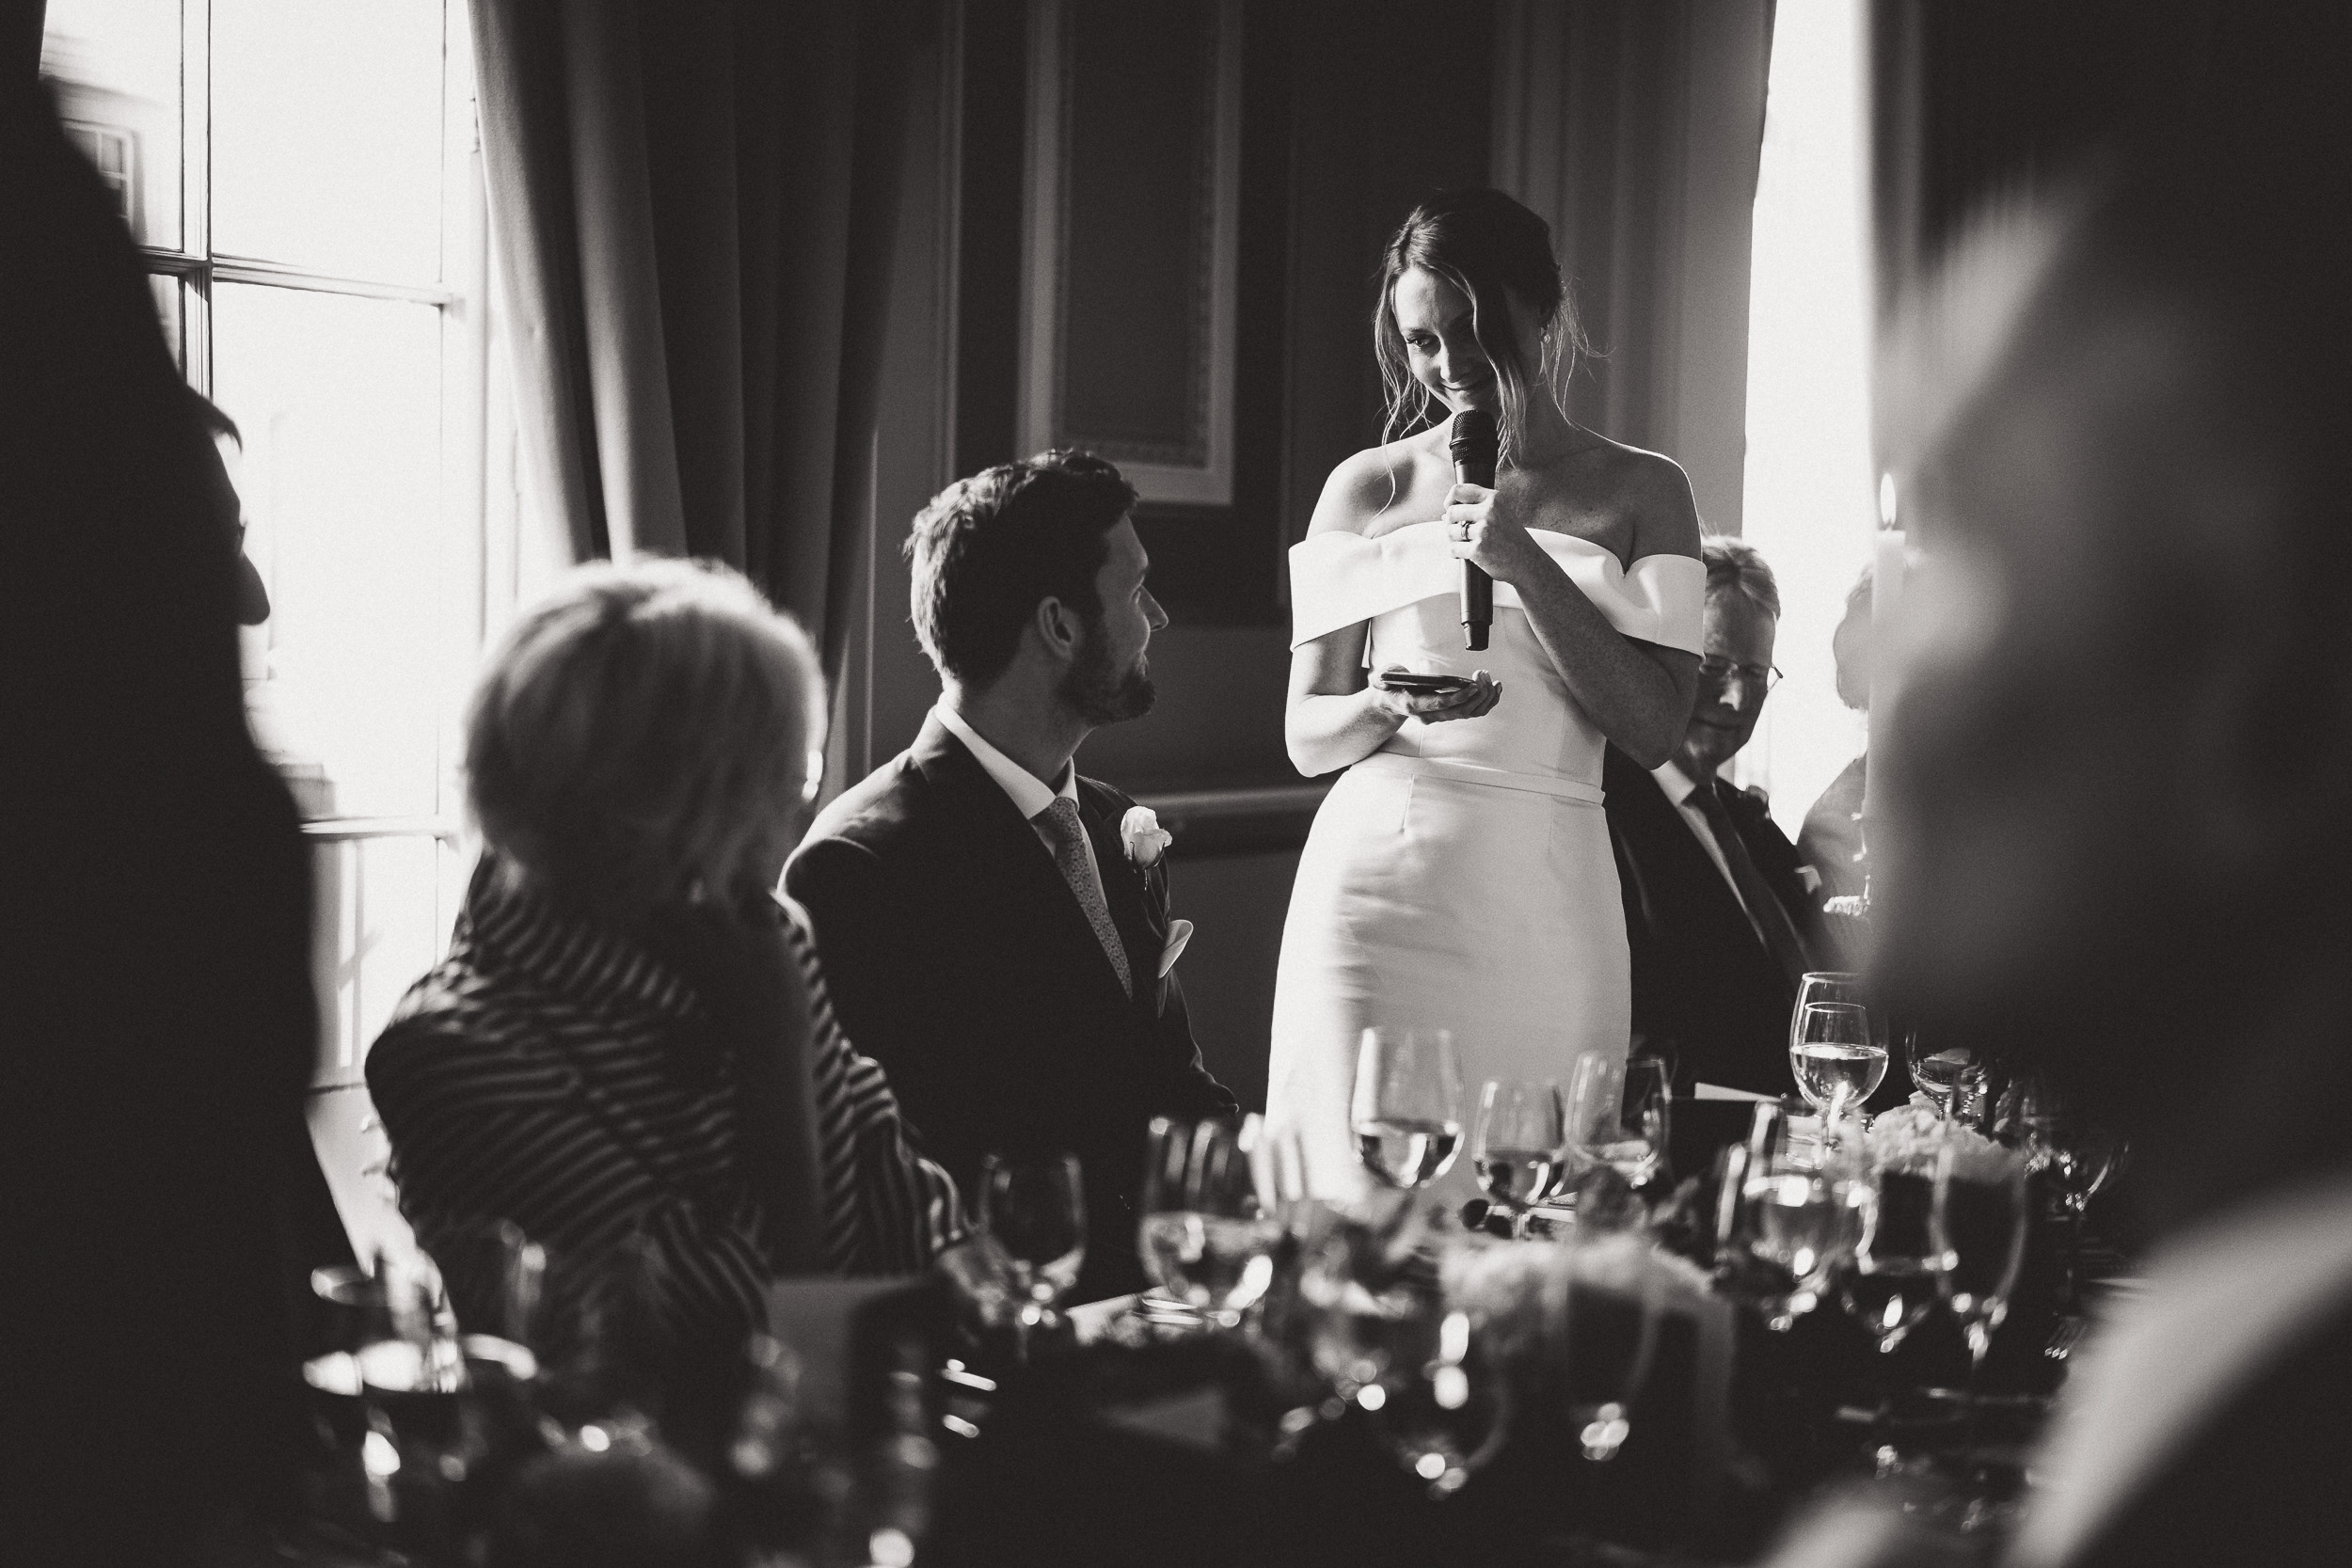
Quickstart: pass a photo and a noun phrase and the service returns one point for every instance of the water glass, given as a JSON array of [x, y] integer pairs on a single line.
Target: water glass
[[1206, 1239], [1951, 1076], [1033, 1232], [1896, 1273], [1980, 1219], [1443, 1412], [1835, 1060], [1800, 1218], [1406, 1109], [1518, 1144], [1618, 1114]]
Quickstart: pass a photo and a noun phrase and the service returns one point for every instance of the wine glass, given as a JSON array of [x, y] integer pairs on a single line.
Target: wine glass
[[1618, 1114], [1800, 1218], [1407, 1111], [1205, 1237], [1033, 1231], [1830, 984], [1896, 1275], [1978, 1218], [1834, 1057], [1949, 1075], [2077, 1154], [1442, 1411], [1518, 1144]]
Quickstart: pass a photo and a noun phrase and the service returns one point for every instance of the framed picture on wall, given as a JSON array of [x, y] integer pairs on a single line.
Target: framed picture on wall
[[1133, 197]]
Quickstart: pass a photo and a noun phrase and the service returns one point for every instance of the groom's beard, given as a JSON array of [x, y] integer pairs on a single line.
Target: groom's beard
[[1100, 696]]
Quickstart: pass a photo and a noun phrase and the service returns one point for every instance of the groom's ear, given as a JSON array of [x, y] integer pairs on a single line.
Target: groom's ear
[[1058, 628]]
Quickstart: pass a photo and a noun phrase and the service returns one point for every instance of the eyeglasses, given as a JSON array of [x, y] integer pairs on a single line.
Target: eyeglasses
[[1721, 670]]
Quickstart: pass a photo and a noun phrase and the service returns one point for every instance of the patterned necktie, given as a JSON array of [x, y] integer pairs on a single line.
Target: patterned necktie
[[1764, 907], [1060, 820]]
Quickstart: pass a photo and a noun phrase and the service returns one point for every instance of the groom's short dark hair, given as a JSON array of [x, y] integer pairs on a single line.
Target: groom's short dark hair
[[988, 548]]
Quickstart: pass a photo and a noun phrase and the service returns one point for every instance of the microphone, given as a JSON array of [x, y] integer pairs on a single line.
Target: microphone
[[1475, 447]]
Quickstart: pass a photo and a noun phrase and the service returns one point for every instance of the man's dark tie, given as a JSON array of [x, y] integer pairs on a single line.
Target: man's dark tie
[[1764, 907], [1061, 819]]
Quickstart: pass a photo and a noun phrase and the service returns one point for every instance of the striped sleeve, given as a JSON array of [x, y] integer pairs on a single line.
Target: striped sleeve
[[484, 1125], [886, 1209]]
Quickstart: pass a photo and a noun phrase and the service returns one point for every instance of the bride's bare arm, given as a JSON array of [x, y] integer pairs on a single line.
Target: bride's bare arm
[[1638, 694], [1336, 717]]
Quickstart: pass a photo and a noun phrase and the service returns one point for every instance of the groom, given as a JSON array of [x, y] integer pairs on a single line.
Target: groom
[[988, 932]]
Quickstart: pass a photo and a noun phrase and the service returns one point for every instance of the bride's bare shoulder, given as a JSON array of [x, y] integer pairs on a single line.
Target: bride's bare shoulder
[[1372, 491], [1650, 489]]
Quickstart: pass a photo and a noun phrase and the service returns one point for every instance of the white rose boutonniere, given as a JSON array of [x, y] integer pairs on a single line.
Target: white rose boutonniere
[[1145, 839]]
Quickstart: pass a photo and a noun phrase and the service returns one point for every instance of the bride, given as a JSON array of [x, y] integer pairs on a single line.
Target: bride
[[1459, 875]]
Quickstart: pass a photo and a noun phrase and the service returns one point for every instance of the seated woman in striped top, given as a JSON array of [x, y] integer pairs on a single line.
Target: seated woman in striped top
[[628, 1052]]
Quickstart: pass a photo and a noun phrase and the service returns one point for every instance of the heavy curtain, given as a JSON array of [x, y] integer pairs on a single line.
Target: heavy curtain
[[1635, 127], [693, 204]]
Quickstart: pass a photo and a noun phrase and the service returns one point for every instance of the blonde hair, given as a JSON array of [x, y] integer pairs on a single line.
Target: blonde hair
[[640, 737]]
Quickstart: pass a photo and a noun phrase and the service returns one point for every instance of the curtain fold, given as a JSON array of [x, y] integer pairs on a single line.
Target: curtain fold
[[1634, 128], [694, 204]]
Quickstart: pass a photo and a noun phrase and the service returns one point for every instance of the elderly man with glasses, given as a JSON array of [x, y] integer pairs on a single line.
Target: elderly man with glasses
[[1718, 911]]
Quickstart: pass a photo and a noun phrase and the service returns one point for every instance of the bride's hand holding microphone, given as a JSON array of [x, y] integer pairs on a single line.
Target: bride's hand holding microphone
[[1481, 532]]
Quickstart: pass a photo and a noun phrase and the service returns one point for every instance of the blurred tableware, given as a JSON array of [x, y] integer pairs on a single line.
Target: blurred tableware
[[1588, 1295], [1442, 1411], [1979, 1217], [1406, 1109], [1033, 1232], [1518, 1144], [1205, 1238], [1833, 1058], [2074, 1154], [1894, 1278], [1618, 1114], [1951, 1076], [1802, 1212]]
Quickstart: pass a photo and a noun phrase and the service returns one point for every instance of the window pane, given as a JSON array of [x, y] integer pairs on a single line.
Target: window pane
[[117, 66], [340, 400], [326, 135], [172, 314]]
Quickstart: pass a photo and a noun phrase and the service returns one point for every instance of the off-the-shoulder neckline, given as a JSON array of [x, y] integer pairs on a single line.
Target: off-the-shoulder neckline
[[1375, 541]]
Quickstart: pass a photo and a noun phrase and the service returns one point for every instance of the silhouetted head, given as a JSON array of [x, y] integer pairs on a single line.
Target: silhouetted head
[[644, 737]]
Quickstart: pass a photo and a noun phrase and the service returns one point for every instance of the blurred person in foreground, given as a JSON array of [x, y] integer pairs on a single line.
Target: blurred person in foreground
[[2118, 781], [629, 1053], [1831, 841], [1718, 912], [997, 924], [157, 1024]]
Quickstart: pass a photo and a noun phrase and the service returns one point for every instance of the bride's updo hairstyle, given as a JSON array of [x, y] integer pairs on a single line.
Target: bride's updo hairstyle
[[1499, 254]]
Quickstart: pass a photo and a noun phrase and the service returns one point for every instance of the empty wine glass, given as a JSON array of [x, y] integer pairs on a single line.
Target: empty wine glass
[[1835, 1062], [1896, 1275], [1033, 1230], [1442, 1411], [1951, 1076], [1801, 1216], [1205, 1237], [1618, 1114], [2076, 1154], [1407, 1111], [1517, 1144], [1980, 1219]]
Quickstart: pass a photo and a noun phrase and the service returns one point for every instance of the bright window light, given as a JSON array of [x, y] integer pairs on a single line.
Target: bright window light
[[1810, 503]]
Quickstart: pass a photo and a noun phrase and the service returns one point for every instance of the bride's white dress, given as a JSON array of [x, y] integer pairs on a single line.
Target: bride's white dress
[[1459, 878]]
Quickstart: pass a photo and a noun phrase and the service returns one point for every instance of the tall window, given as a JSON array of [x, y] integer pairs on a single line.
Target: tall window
[[1810, 503], [303, 181]]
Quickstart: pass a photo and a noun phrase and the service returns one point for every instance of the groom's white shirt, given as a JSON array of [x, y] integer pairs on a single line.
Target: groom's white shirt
[[1030, 795]]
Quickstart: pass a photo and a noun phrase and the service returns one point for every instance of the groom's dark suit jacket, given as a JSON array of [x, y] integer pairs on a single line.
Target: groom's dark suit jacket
[[1704, 986], [959, 959]]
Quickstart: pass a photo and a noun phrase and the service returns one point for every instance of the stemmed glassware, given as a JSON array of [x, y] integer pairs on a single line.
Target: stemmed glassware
[[1207, 1238], [1618, 1114], [1835, 1059], [1801, 1216], [1951, 1076], [1407, 1110], [1518, 1144], [1980, 1219], [2078, 1155], [1033, 1230], [1896, 1272]]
